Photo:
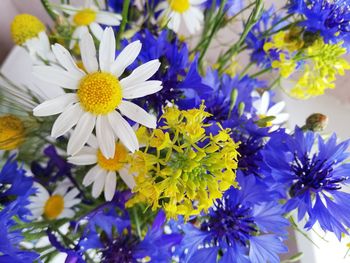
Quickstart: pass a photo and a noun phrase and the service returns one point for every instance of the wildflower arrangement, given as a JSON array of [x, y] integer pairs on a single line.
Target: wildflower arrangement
[[131, 145]]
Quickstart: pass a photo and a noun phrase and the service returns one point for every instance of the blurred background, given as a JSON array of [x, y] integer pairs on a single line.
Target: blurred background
[[335, 104]]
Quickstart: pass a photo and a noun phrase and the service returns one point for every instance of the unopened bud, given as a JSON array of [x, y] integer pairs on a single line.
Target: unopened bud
[[316, 122]]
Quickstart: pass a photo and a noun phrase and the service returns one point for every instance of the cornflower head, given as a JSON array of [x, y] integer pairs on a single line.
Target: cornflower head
[[184, 167], [312, 173]]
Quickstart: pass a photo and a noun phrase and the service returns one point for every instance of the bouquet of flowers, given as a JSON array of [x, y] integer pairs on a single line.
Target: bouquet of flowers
[[132, 144]]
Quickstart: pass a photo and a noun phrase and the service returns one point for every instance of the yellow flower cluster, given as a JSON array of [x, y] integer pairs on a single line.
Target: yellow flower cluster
[[320, 73], [184, 168], [321, 62]]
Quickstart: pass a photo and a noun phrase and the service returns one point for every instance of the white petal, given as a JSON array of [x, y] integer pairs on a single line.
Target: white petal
[[142, 89], [55, 106], [141, 73], [66, 213], [92, 175], [174, 22], [77, 34], [81, 133], [92, 141], [137, 114], [280, 118], [67, 119], [107, 49], [276, 109], [98, 185], [197, 2], [57, 76], [105, 137], [88, 53], [126, 58], [96, 30], [69, 9], [71, 194], [110, 185], [265, 101], [72, 202], [65, 59], [107, 18], [124, 131], [127, 177], [85, 156]]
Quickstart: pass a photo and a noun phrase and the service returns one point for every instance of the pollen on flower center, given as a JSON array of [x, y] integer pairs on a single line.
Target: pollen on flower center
[[25, 27], [11, 132], [115, 163], [53, 207], [179, 6], [84, 17], [99, 93]]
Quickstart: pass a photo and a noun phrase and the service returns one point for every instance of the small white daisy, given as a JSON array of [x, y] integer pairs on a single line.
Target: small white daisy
[[89, 17], [103, 174], [98, 93], [262, 110], [29, 32], [186, 11], [53, 206]]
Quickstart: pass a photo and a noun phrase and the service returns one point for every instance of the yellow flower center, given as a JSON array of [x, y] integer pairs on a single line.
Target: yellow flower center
[[25, 27], [99, 93], [179, 6], [53, 207], [11, 132], [115, 163], [84, 17]]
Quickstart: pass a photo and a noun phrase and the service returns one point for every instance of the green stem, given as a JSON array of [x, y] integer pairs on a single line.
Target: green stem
[[137, 222], [252, 20], [123, 23], [261, 72], [48, 9], [245, 70]]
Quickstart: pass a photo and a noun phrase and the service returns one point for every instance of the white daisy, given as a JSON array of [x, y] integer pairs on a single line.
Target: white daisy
[[262, 110], [186, 11], [53, 206], [98, 93], [29, 32], [103, 174], [89, 17]]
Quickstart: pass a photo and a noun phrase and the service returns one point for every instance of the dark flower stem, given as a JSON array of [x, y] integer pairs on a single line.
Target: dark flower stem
[[48, 9]]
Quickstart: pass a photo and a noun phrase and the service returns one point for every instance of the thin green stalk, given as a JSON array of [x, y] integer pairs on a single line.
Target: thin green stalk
[[261, 72], [252, 20], [123, 23], [137, 222], [48, 9], [246, 69]]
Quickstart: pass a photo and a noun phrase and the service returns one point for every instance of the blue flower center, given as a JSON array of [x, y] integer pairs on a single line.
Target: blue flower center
[[120, 250], [231, 223], [313, 174]]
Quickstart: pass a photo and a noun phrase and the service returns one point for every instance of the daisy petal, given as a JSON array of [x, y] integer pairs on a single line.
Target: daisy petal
[[127, 178], [280, 118], [66, 213], [71, 194], [96, 30], [110, 185], [107, 49], [85, 156], [105, 137], [65, 59], [77, 34], [126, 58], [92, 175], [57, 76], [71, 203], [55, 106], [276, 109], [98, 185], [123, 131], [88, 53], [142, 89], [67, 119], [265, 101], [141, 73], [107, 18], [137, 114], [81, 133]]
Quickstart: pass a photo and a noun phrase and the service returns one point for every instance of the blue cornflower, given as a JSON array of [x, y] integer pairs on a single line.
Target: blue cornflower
[[10, 239], [313, 179], [232, 7], [256, 38], [243, 226], [181, 80], [15, 184], [330, 19]]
